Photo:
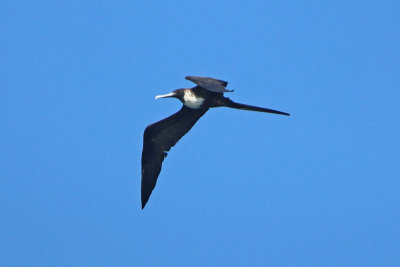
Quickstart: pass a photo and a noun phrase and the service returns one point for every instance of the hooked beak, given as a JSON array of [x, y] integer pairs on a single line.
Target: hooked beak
[[166, 95]]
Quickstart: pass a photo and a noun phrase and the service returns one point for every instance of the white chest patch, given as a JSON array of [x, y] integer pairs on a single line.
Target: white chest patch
[[191, 101]]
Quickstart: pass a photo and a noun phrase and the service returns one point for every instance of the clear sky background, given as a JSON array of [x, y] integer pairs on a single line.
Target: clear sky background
[[318, 188]]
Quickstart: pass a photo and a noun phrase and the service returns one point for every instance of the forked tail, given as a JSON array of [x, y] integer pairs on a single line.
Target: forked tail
[[229, 103]]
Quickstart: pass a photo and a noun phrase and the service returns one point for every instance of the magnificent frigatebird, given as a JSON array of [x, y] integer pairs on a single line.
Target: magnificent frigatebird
[[159, 137]]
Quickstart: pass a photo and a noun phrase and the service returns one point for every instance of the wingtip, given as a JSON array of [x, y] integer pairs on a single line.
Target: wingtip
[[144, 202]]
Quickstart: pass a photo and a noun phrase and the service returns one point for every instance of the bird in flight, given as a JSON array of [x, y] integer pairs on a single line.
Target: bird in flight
[[159, 137]]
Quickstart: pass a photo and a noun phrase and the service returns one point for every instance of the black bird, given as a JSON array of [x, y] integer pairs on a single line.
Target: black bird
[[159, 137]]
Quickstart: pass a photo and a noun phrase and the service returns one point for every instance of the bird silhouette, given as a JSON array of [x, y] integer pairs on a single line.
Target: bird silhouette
[[159, 137]]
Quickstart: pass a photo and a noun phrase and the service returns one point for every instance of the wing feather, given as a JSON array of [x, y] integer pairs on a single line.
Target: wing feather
[[158, 139], [211, 84]]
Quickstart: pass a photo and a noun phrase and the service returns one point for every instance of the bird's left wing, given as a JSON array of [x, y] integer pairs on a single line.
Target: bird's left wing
[[158, 139], [210, 84]]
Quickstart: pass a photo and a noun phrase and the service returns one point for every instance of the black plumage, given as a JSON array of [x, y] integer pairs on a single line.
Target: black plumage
[[159, 137]]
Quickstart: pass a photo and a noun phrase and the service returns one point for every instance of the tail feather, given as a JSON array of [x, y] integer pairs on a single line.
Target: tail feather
[[229, 103]]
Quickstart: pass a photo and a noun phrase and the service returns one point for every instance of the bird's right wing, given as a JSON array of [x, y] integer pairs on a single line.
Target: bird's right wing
[[158, 139]]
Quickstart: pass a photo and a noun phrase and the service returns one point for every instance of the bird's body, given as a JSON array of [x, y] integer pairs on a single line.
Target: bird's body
[[159, 137]]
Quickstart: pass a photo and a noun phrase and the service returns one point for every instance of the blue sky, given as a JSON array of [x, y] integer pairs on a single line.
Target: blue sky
[[319, 188]]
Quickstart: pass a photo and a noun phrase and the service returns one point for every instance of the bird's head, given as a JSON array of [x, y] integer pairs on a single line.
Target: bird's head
[[178, 93]]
